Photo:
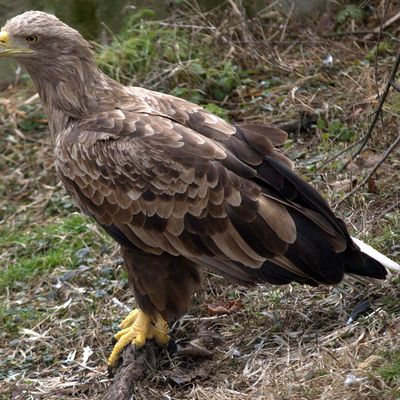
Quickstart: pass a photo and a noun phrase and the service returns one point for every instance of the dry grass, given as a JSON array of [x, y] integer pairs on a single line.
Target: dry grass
[[281, 343]]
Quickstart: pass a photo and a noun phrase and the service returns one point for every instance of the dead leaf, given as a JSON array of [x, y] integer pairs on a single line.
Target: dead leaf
[[369, 158], [353, 168], [194, 348], [19, 390], [372, 187], [344, 185], [182, 376], [222, 308], [201, 345], [371, 361]]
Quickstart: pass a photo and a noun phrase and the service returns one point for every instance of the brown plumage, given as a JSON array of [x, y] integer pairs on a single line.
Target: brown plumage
[[176, 186]]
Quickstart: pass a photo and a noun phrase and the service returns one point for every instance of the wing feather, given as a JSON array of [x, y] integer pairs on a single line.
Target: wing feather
[[170, 177]]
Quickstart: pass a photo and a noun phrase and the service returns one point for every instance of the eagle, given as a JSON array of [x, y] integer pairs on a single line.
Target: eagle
[[176, 186]]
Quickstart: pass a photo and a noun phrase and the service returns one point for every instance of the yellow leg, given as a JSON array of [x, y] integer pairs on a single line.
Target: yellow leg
[[160, 331], [130, 319], [135, 329]]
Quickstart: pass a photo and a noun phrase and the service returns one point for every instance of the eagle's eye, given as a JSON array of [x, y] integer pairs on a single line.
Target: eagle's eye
[[32, 39]]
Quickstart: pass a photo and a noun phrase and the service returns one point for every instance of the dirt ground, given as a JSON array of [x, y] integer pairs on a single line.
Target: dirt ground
[[63, 289]]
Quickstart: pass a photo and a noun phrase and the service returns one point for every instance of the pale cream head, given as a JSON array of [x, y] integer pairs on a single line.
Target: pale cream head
[[38, 35]]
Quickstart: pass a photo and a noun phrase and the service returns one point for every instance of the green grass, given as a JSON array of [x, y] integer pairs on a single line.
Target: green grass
[[170, 59], [389, 235], [390, 371], [12, 318], [335, 130], [38, 248]]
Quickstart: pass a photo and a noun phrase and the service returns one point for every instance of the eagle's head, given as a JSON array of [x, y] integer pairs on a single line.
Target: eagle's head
[[61, 64], [41, 37]]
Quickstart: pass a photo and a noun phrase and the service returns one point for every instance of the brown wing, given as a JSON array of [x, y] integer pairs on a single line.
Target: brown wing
[[230, 203], [204, 122]]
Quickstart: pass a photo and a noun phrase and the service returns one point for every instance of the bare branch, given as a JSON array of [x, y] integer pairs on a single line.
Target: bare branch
[[135, 364], [378, 110], [373, 170]]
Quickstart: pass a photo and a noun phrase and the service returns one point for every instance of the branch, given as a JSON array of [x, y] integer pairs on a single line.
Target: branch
[[339, 153], [135, 364], [376, 166], [378, 111], [389, 22], [354, 33], [395, 85]]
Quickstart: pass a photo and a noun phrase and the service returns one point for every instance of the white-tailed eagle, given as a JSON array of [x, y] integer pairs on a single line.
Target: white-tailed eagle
[[176, 186]]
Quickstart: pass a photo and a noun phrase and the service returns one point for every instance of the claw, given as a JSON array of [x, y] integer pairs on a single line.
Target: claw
[[135, 329]]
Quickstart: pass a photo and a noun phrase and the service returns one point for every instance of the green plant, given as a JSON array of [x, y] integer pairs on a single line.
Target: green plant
[[350, 11], [173, 60], [391, 369], [335, 129], [35, 249]]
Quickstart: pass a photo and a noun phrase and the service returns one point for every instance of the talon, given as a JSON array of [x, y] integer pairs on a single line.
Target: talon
[[135, 329]]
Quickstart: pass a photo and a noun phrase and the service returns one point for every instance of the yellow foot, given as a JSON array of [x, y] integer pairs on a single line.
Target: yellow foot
[[135, 329]]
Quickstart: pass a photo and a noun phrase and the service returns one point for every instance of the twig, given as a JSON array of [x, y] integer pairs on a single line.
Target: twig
[[289, 16], [135, 364], [395, 85], [338, 154], [353, 33], [377, 30], [376, 166], [239, 13], [378, 111], [389, 22], [386, 211], [380, 30]]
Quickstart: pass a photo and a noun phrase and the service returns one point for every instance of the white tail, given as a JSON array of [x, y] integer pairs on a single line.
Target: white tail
[[367, 249]]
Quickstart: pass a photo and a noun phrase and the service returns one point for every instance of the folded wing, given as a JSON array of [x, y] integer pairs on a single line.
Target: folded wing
[[180, 180]]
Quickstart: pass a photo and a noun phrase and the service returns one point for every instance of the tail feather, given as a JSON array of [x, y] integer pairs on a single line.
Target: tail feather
[[370, 251]]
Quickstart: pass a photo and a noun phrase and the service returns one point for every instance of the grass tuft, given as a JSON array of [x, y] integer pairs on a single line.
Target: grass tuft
[[191, 66], [390, 371], [37, 249]]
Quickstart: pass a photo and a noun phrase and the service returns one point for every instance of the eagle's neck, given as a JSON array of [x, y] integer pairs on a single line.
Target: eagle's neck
[[72, 89]]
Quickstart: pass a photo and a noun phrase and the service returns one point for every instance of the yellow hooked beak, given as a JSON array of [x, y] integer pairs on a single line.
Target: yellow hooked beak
[[8, 51]]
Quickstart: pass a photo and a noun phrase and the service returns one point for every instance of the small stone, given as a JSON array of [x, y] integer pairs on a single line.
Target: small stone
[[236, 353], [352, 380], [69, 275], [82, 253]]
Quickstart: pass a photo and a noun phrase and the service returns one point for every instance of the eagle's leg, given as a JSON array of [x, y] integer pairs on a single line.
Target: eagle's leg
[[129, 319], [163, 286], [136, 328]]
